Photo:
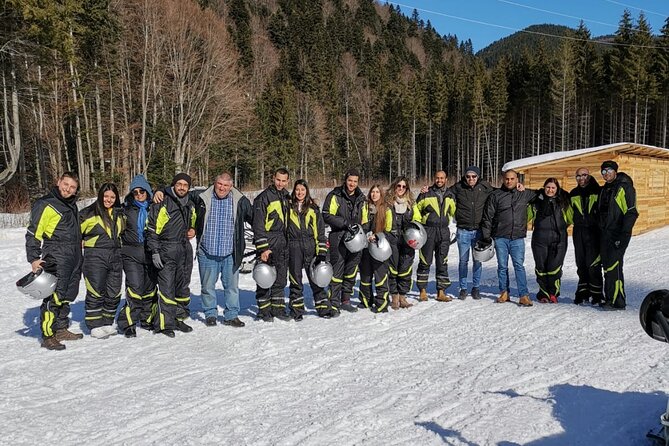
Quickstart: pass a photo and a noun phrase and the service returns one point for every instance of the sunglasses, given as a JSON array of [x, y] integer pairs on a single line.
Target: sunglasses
[[607, 170], [137, 192], [471, 176], [401, 186], [585, 175]]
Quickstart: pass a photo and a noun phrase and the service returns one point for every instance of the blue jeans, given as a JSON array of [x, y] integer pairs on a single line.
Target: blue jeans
[[516, 248], [211, 267], [466, 241]]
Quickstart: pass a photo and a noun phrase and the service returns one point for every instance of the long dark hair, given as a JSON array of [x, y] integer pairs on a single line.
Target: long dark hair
[[380, 219], [308, 201], [100, 206], [561, 197]]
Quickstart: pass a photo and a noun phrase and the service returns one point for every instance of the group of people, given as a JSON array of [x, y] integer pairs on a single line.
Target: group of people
[[148, 237]]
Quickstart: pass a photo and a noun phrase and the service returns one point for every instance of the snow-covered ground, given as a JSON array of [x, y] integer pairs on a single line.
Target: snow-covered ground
[[461, 373]]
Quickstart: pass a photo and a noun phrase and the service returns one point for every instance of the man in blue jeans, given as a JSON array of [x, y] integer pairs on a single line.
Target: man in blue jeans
[[471, 194], [505, 220], [221, 211]]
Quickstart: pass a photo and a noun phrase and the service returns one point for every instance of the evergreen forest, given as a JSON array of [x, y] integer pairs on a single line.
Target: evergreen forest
[[113, 88]]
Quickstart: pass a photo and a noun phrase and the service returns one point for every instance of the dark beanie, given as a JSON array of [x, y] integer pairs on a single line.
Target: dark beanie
[[474, 169], [182, 176], [351, 173], [610, 165]]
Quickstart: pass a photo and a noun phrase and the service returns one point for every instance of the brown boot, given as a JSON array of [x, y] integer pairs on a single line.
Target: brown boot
[[395, 303], [525, 301], [51, 343], [404, 303], [423, 296], [503, 297], [66, 335], [443, 297]]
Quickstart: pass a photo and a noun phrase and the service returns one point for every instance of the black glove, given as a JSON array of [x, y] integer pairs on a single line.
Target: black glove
[[483, 243], [157, 261], [320, 258], [352, 228]]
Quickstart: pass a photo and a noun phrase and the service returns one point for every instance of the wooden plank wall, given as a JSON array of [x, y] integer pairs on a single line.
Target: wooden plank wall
[[650, 176]]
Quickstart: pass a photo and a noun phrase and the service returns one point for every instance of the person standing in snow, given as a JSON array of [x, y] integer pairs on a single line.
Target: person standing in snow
[[402, 205], [436, 206], [617, 215], [552, 214], [306, 240], [140, 275], [586, 238], [170, 226], [221, 212], [53, 242], [344, 207], [471, 194], [270, 223], [505, 220]]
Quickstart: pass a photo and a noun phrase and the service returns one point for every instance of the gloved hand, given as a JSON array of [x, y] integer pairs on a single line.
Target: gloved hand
[[157, 261], [352, 228], [320, 258], [483, 243]]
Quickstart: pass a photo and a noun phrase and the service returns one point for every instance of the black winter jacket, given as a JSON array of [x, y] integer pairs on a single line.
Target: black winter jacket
[[505, 213], [584, 203], [470, 202], [617, 208], [342, 210], [169, 221]]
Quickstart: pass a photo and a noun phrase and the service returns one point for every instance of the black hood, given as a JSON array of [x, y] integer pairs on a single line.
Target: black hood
[[622, 177]]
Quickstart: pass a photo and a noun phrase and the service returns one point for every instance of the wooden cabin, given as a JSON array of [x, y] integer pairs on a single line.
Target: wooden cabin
[[648, 167]]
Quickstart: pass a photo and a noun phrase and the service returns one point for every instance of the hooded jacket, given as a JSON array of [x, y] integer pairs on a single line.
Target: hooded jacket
[[617, 207], [584, 203], [470, 202], [434, 210], [550, 220], [242, 213], [169, 221], [342, 210], [131, 211], [270, 216]]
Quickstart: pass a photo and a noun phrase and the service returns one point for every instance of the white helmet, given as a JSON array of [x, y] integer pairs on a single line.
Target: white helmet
[[264, 274], [415, 235], [380, 249], [39, 285], [484, 251], [355, 239], [321, 273]]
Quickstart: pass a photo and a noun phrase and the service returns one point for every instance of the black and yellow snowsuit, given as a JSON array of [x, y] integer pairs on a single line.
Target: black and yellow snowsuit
[[401, 262], [167, 235], [339, 212], [103, 268], [586, 237], [372, 269], [140, 274], [270, 223], [436, 207], [549, 241], [617, 215], [306, 239], [54, 236]]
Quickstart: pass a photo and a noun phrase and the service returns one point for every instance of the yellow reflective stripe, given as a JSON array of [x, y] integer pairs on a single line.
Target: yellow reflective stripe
[[416, 213], [568, 215], [449, 206], [576, 202], [90, 243], [298, 305], [384, 304], [389, 220], [406, 273], [312, 222], [48, 323], [555, 271], [618, 291], [127, 315], [597, 260], [421, 257], [592, 201], [365, 214], [530, 213], [162, 220], [274, 206], [90, 288], [47, 222], [56, 300], [182, 299], [278, 305], [557, 286], [352, 275], [334, 205], [335, 280], [295, 218], [166, 300], [612, 267], [92, 318], [264, 245], [382, 281], [365, 283], [162, 321], [393, 271], [132, 294], [263, 306], [292, 279], [429, 202], [621, 201], [193, 218]]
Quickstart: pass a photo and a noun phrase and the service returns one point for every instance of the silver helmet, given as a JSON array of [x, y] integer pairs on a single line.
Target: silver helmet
[[264, 274], [415, 235], [321, 273], [380, 249], [355, 239], [484, 251], [39, 285]]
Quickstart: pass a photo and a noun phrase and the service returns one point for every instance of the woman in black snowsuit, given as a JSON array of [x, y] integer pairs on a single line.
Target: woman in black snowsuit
[[306, 239], [101, 227], [552, 215], [402, 205], [380, 221], [140, 275]]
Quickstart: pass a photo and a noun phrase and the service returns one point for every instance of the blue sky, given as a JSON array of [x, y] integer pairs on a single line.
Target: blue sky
[[485, 21]]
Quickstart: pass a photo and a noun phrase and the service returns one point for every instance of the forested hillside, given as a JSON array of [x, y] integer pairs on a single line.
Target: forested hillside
[[111, 88]]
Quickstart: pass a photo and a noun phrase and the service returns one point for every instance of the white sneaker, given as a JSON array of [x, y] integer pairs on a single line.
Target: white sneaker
[[99, 333], [110, 330]]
